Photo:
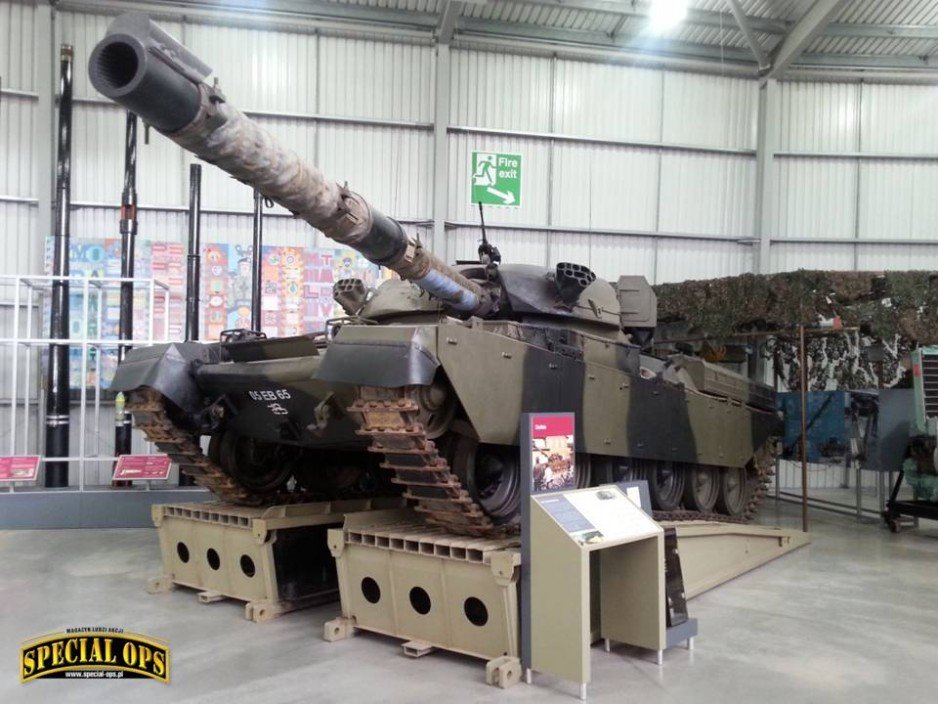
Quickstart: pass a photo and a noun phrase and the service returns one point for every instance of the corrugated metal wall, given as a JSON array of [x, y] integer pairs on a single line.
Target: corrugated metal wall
[[18, 174], [858, 165], [608, 149], [612, 153], [297, 82]]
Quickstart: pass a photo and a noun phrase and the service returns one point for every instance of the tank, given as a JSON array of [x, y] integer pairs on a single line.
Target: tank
[[422, 384]]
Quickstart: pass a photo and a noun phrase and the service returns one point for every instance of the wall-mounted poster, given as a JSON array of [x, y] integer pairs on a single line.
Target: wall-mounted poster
[[552, 452], [100, 257], [296, 293]]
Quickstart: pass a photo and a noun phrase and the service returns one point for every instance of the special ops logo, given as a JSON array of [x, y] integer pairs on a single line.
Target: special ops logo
[[94, 653]]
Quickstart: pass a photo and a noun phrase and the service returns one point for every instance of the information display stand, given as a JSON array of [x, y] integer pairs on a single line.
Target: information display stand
[[565, 527]]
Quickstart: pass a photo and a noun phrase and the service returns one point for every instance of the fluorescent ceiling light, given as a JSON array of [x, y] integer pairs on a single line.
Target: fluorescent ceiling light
[[664, 15]]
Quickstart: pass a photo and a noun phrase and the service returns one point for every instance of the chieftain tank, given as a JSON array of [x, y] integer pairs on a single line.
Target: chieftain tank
[[422, 384]]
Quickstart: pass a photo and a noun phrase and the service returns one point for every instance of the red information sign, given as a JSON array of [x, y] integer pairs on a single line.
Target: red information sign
[[141, 467], [552, 451], [19, 469]]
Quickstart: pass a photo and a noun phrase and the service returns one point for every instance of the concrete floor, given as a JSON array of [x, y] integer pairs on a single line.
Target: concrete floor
[[850, 618]]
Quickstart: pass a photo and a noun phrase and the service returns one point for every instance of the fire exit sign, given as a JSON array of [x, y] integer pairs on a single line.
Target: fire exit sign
[[496, 178]]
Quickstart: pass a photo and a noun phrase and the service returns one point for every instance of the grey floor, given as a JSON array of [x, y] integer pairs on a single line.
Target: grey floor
[[851, 618]]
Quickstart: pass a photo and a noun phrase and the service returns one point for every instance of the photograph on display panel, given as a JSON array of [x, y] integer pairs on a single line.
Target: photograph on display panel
[[552, 453]]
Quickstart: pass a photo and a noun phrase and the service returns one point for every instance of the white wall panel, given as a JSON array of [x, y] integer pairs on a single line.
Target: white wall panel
[[901, 119], [680, 260], [707, 193], [612, 256], [373, 79], [602, 100], [709, 110], [19, 238], [791, 257], [98, 153], [98, 160], [259, 70], [155, 226], [516, 246], [505, 91], [391, 167], [897, 257], [819, 117], [604, 187], [815, 198], [17, 175], [569, 247], [898, 200], [534, 184], [17, 24]]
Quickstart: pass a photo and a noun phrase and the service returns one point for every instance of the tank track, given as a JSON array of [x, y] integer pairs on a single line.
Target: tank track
[[390, 419], [765, 469], [150, 411]]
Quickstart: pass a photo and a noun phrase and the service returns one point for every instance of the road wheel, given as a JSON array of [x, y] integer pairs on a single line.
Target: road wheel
[[701, 487], [666, 485]]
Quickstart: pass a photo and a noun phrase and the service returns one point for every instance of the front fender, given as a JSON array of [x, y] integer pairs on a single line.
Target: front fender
[[165, 368], [390, 356]]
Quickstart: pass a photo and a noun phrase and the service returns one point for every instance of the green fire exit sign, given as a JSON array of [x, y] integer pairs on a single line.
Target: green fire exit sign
[[496, 178]]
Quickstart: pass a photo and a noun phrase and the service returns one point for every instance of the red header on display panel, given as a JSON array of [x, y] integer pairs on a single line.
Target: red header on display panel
[[141, 467], [19, 469], [551, 425]]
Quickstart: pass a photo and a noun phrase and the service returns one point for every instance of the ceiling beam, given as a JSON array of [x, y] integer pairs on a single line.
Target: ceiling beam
[[468, 26], [868, 61], [307, 9], [750, 36], [447, 25], [803, 33], [874, 31], [639, 10]]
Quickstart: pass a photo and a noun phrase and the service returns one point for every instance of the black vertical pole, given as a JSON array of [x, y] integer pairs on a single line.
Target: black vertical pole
[[256, 281], [57, 402], [193, 260], [128, 230], [193, 273]]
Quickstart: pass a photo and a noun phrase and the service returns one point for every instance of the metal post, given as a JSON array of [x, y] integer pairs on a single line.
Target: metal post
[[193, 260], [778, 461], [766, 146], [441, 151], [128, 230], [256, 281], [57, 403], [802, 360]]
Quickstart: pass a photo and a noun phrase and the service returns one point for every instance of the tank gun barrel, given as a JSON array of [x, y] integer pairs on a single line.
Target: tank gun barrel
[[144, 69]]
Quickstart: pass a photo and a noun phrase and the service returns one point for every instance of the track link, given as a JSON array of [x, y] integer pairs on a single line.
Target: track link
[[390, 418], [150, 411]]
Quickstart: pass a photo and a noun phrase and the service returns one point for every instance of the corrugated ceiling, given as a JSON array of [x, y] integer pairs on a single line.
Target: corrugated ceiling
[[704, 25]]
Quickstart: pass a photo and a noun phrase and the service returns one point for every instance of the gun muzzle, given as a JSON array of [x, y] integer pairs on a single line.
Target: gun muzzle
[[147, 71]]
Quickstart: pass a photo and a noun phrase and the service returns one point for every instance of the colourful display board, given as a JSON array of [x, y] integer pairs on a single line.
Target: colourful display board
[[163, 261], [296, 294]]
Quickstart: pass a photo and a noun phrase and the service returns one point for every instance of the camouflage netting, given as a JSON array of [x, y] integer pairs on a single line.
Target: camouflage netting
[[898, 310]]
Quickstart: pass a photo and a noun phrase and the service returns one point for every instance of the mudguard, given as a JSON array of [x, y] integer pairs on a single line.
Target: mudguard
[[166, 368], [387, 356]]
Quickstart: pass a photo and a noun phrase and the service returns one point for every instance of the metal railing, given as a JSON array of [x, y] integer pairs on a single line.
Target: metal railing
[[25, 339]]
